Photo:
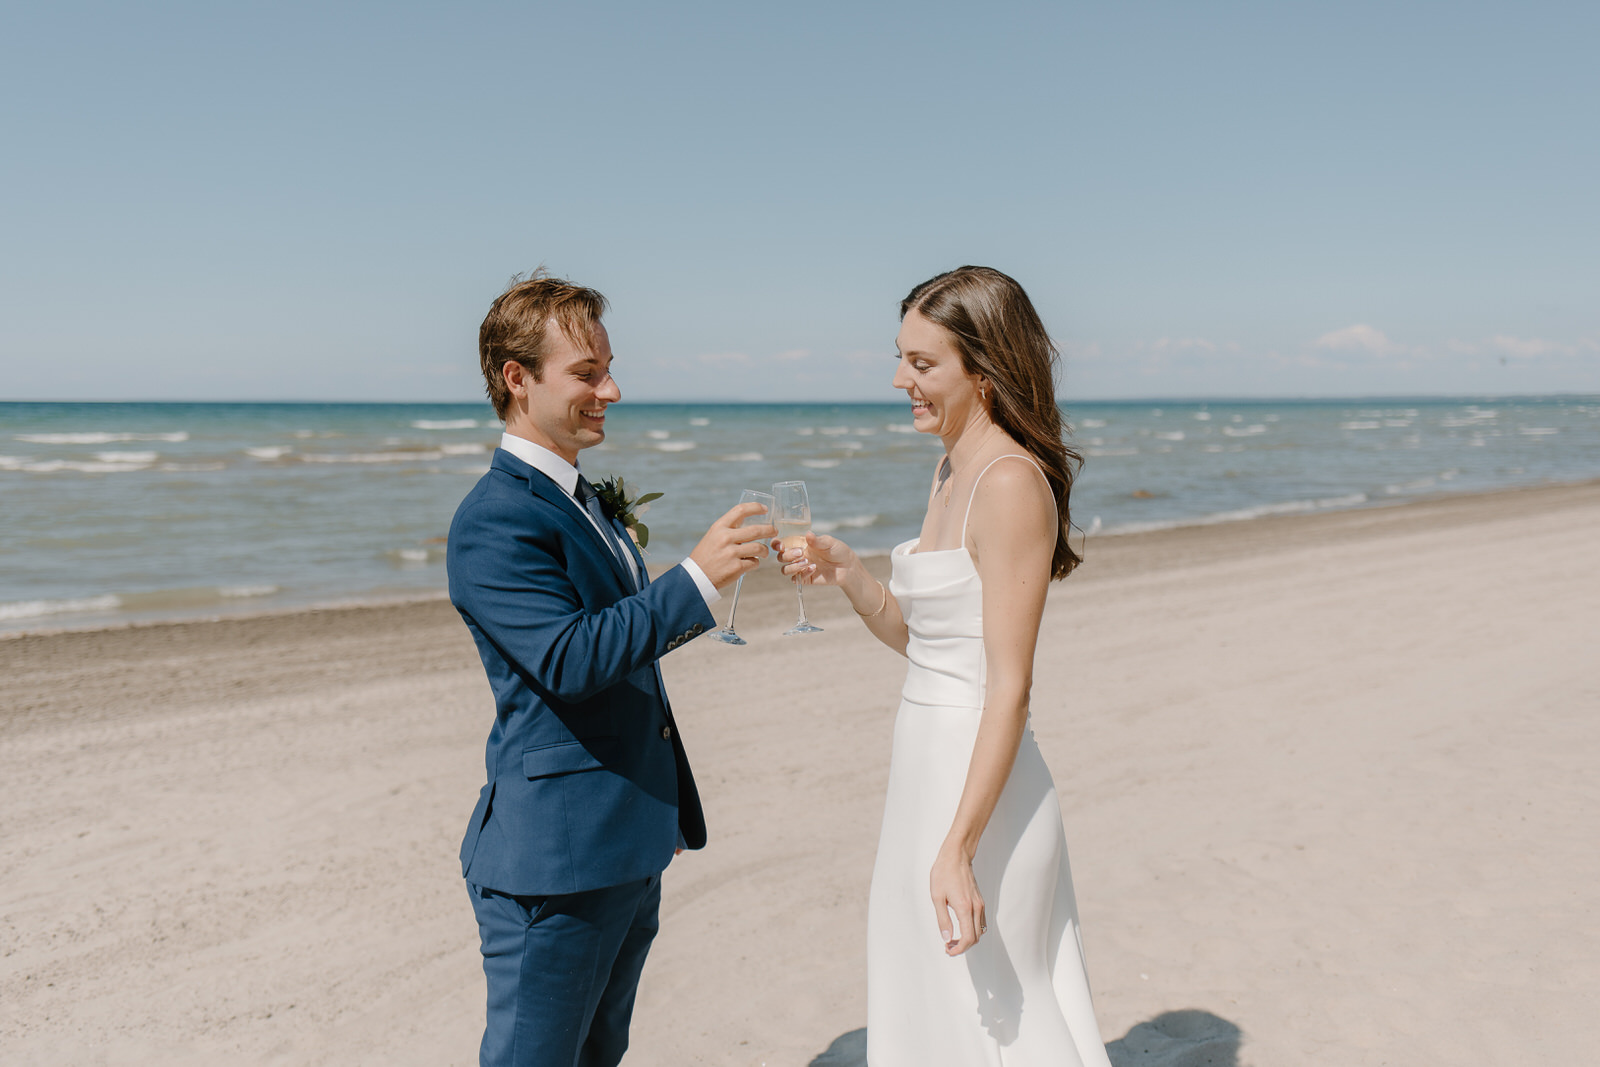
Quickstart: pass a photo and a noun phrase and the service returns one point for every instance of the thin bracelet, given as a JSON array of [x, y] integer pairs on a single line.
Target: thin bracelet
[[881, 604]]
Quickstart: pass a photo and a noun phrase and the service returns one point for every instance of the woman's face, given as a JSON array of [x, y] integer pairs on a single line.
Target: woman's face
[[944, 397]]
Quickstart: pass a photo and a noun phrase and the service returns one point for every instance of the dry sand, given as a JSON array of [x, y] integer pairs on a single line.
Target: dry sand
[[1326, 782]]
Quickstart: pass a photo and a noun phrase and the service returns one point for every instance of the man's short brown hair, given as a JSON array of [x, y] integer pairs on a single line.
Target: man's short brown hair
[[514, 329]]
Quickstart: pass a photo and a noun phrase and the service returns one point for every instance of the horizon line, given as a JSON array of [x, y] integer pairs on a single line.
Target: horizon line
[[1212, 398]]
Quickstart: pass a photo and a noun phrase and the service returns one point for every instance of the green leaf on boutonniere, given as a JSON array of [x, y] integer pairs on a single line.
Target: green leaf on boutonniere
[[615, 502]]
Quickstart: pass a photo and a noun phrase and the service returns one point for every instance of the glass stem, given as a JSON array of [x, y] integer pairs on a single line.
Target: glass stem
[[733, 609], [799, 593]]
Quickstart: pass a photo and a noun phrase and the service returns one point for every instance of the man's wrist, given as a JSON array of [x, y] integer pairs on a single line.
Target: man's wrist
[[701, 582]]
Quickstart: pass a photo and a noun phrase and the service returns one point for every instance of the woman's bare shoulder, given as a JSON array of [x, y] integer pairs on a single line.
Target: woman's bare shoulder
[[1012, 497]]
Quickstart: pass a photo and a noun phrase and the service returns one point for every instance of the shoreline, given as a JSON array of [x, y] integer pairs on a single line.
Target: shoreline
[[1114, 542], [84, 675]]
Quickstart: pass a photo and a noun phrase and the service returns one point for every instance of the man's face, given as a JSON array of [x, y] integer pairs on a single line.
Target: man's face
[[566, 407]]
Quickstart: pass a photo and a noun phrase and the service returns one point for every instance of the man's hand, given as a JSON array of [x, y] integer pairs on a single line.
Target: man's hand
[[729, 550]]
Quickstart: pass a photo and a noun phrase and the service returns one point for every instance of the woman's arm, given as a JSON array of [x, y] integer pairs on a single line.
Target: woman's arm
[[1012, 530], [829, 561]]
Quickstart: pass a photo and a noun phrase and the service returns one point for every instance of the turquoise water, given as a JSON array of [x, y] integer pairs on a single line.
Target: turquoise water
[[115, 512]]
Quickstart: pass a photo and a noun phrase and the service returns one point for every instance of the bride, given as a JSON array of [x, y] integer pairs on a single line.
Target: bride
[[973, 950]]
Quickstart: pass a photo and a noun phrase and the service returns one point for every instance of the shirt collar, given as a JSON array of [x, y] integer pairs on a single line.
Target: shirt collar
[[542, 460]]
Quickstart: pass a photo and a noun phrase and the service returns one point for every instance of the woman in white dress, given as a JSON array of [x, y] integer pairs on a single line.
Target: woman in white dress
[[973, 951]]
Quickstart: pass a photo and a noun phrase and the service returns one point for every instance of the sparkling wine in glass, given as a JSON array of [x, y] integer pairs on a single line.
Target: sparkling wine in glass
[[750, 496], [791, 514]]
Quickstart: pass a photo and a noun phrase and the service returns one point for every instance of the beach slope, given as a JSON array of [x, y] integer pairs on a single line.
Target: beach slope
[[1325, 779]]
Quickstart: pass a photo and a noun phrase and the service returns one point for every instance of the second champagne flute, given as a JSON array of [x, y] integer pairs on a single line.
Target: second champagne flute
[[750, 496], [791, 514]]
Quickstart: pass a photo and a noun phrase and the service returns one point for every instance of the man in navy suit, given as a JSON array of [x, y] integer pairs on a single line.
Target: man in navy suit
[[589, 793]]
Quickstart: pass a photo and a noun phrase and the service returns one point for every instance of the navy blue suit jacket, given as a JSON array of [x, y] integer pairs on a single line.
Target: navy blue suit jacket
[[588, 782]]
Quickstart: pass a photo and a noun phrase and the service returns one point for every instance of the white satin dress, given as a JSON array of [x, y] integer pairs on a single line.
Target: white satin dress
[[1020, 997]]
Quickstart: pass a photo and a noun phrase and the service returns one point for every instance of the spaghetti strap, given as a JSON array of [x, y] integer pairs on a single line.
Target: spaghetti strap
[[979, 478]]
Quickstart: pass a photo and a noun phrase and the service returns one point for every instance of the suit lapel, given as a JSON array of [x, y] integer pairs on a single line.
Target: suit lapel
[[540, 485], [633, 550]]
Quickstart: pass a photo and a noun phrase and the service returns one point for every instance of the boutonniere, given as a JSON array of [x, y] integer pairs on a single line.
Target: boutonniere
[[615, 502]]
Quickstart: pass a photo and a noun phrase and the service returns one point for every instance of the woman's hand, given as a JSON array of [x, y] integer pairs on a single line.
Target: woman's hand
[[824, 561], [954, 889]]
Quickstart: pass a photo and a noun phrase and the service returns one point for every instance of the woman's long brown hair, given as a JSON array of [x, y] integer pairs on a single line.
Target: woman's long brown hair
[[1000, 336]]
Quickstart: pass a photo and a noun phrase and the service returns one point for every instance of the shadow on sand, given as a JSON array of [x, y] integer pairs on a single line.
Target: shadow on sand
[[1189, 1038], [847, 1050]]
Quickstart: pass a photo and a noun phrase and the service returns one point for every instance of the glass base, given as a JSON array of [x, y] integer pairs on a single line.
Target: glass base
[[728, 637], [803, 628]]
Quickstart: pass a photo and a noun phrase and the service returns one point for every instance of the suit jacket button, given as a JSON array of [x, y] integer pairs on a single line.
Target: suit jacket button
[[666, 733]]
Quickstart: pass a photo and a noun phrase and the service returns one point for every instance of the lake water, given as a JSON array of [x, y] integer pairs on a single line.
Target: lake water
[[116, 512]]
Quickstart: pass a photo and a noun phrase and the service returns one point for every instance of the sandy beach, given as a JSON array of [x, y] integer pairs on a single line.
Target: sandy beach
[[1326, 782]]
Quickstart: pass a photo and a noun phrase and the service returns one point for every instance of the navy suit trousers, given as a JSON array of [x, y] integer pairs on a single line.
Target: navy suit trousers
[[562, 972]]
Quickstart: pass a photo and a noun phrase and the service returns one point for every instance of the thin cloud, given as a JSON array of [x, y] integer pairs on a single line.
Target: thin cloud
[[724, 357], [1360, 338], [1183, 344], [792, 355], [1528, 347]]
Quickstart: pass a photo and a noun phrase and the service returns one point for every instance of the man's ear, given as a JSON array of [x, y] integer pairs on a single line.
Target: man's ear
[[516, 377]]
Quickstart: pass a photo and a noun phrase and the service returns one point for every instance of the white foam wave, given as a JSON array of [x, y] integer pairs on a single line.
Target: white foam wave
[[900, 427], [854, 522], [1411, 486], [852, 446], [743, 457], [1361, 424], [269, 452], [463, 449], [1245, 431], [1538, 431], [97, 438], [445, 424], [657, 435], [368, 457], [834, 431], [191, 467], [1091, 424], [142, 458], [1113, 451], [52, 466], [34, 609], [1176, 435], [1289, 507], [1202, 416], [700, 422], [674, 446], [820, 464], [242, 591]]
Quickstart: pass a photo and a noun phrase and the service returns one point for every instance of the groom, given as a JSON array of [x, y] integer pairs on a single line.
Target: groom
[[589, 793]]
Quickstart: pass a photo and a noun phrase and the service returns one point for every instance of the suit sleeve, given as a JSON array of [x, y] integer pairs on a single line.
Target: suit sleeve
[[514, 584]]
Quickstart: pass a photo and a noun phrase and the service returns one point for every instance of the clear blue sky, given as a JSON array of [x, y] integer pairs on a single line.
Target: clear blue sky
[[319, 201]]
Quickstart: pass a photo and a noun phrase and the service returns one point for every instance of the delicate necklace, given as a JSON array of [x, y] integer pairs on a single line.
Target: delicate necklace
[[949, 478]]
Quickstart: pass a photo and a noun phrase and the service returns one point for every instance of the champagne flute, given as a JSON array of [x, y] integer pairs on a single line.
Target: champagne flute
[[791, 514], [750, 496]]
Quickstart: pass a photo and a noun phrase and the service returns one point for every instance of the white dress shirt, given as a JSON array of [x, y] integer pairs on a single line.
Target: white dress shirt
[[565, 475]]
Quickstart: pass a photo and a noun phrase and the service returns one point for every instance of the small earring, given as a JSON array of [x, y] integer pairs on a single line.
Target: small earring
[[983, 393]]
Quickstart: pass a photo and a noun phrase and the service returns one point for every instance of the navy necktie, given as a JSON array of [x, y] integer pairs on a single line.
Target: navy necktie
[[591, 502]]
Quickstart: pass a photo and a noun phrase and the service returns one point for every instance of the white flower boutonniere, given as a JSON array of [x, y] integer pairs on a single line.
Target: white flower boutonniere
[[617, 504]]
